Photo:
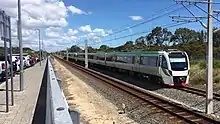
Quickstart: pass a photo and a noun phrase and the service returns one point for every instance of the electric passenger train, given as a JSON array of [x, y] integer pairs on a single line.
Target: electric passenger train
[[170, 67]]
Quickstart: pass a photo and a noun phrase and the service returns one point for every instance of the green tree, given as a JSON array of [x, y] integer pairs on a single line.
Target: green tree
[[159, 36], [129, 43], [104, 48], [140, 41], [216, 38], [91, 50], [184, 35], [75, 48]]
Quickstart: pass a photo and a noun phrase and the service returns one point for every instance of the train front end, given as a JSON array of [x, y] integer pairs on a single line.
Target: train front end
[[179, 66]]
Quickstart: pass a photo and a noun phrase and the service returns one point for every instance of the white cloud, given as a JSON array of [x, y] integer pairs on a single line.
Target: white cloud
[[136, 18], [75, 10], [97, 34], [86, 28], [38, 13], [53, 32], [50, 16], [72, 32]]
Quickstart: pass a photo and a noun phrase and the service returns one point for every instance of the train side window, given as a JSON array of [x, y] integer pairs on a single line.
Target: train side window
[[133, 59], [164, 63], [152, 61]]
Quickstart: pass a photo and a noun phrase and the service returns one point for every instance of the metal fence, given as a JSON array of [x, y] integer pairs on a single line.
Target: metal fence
[[5, 35], [58, 111]]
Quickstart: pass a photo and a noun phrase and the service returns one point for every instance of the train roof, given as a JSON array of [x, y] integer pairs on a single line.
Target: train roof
[[137, 52], [142, 52]]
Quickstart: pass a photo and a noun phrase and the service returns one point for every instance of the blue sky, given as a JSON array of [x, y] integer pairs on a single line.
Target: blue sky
[[64, 23], [114, 15]]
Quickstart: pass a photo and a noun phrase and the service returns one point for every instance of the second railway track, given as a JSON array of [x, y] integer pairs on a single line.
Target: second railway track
[[199, 92], [175, 109]]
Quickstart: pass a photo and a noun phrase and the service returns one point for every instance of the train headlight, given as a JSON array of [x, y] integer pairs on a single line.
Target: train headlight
[[182, 78]]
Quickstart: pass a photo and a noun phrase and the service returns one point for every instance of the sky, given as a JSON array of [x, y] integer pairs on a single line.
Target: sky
[[64, 23]]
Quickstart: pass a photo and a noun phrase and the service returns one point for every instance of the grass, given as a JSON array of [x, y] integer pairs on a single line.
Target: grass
[[198, 72]]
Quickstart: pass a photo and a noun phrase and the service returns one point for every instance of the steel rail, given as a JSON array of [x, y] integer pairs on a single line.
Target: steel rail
[[199, 92], [183, 113]]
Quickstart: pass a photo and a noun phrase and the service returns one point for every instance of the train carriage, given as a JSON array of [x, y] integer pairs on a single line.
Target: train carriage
[[170, 67]]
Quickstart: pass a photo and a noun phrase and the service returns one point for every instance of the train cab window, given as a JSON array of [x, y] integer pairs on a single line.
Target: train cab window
[[164, 63]]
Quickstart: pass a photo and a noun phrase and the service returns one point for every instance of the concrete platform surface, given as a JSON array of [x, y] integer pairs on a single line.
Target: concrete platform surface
[[24, 101]]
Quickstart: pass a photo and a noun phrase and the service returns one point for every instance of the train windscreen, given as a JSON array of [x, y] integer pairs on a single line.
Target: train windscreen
[[178, 61]]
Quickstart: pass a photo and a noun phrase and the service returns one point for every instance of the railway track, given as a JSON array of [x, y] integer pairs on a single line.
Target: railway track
[[185, 115], [199, 92]]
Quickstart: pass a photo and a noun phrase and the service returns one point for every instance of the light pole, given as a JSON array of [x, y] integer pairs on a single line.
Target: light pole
[[20, 46], [39, 45]]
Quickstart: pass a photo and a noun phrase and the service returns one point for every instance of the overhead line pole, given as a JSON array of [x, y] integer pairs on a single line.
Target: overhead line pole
[[209, 80], [20, 47], [209, 58], [67, 54], [86, 54]]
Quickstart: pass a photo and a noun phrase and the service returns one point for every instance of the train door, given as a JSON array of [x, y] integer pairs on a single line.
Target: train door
[[137, 63], [163, 70], [159, 64]]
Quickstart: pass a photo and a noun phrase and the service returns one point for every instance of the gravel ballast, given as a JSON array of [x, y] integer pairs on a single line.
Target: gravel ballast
[[191, 100], [136, 110]]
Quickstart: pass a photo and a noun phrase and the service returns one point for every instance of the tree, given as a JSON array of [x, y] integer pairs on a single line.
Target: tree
[[75, 48], [140, 41], [129, 43], [91, 50], [216, 38], [104, 48], [159, 36], [184, 35]]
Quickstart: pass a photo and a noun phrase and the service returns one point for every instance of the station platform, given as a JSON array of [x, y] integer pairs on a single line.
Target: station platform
[[24, 101]]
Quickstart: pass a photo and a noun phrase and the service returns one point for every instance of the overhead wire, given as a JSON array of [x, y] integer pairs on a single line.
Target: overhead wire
[[149, 20], [158, 12], [192, 14], [206, 12], [145, 21], [152, 18], [139, 33]]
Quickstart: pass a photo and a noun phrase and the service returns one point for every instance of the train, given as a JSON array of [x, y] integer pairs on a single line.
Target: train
[[170, 67]]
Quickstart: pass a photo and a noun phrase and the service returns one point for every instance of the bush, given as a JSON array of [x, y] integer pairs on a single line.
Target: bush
[[198, 72], [216, 64], [202, 63], [194, 62], [216, 79]]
